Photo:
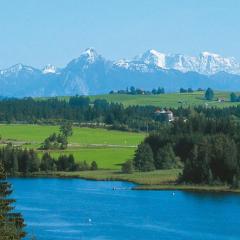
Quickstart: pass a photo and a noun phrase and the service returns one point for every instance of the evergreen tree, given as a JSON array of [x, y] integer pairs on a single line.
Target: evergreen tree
[[15, 168], [47, 163], [166, 158], [11, 224], [132, 90], [127, 167], [191, 167], [209, 94], [233, 97], [224, 163], [143, 159]]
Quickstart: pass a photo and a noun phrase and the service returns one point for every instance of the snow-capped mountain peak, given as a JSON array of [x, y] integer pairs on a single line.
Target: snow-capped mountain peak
[[153, 57], [90, 73], [211, 63], [49, 69], [15, 69], [123, 63], [205, 63], [209, 54], [90, 54]]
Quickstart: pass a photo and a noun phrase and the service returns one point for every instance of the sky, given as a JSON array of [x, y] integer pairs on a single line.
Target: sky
[[39, 32]]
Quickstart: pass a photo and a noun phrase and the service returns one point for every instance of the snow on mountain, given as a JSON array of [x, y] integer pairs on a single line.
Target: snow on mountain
[[91, 73], [85, 74], [90, 55], [17, 68], [153, 57], [49, 69], [206, 63], [211, 63]]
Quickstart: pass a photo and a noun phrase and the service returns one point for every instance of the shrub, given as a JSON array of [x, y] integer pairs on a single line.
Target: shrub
[[127, 167]]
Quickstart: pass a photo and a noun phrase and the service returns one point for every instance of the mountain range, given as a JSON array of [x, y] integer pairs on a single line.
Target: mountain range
[[91, 73]]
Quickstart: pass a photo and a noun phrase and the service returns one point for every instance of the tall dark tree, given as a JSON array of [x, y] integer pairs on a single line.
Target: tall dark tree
[[197, 166], [233, 97], [209, 94], [224, 162], [143, 159], [48, 163], [166, 158], [11, 224]]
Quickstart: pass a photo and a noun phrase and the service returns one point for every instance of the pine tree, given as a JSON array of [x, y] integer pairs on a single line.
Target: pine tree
[[166, 158], [143, 159], [209, 94], [233, 97], [11, 224]]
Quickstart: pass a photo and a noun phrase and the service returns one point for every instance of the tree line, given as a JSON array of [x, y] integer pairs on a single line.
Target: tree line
[[17, 160], [137, 91], [77, 109], [190, 90], [80, 109]]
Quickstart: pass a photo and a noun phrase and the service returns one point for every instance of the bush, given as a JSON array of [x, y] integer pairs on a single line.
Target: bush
[[127, 167], [82, 166], [94, 166]]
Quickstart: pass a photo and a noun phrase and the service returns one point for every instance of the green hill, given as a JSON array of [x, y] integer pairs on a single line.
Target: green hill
[[169, 100], [174, 100]]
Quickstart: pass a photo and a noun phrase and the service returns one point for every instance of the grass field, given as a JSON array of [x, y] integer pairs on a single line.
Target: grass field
[[108, 148], [172, 100], [155, 180], [144, 178], [106, 157], [84, 136], [169, 100]]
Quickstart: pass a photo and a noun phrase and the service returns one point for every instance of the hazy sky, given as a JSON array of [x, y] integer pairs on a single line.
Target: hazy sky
[[38, 32]]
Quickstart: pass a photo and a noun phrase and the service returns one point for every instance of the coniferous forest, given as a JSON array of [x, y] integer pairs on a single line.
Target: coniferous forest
[[80, 109], [206, 146]]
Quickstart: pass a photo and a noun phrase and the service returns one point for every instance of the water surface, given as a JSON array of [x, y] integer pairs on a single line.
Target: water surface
[[58, 209]]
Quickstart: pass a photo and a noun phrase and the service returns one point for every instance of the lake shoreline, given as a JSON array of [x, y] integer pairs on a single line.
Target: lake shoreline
[[109, 175]]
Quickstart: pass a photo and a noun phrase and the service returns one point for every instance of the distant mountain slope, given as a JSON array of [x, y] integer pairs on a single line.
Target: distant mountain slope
[[93, 74]]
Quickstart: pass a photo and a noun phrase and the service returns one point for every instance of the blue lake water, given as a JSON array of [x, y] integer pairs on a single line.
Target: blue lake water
[[59, 209]]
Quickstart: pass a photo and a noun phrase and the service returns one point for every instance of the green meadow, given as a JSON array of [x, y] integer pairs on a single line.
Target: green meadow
[[170, 100], [107, 147]]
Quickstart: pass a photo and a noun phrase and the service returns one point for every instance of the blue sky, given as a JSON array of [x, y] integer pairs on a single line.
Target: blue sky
[[38, 32]]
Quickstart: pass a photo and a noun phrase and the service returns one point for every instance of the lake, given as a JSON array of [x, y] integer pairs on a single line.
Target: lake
[[71, 209]]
